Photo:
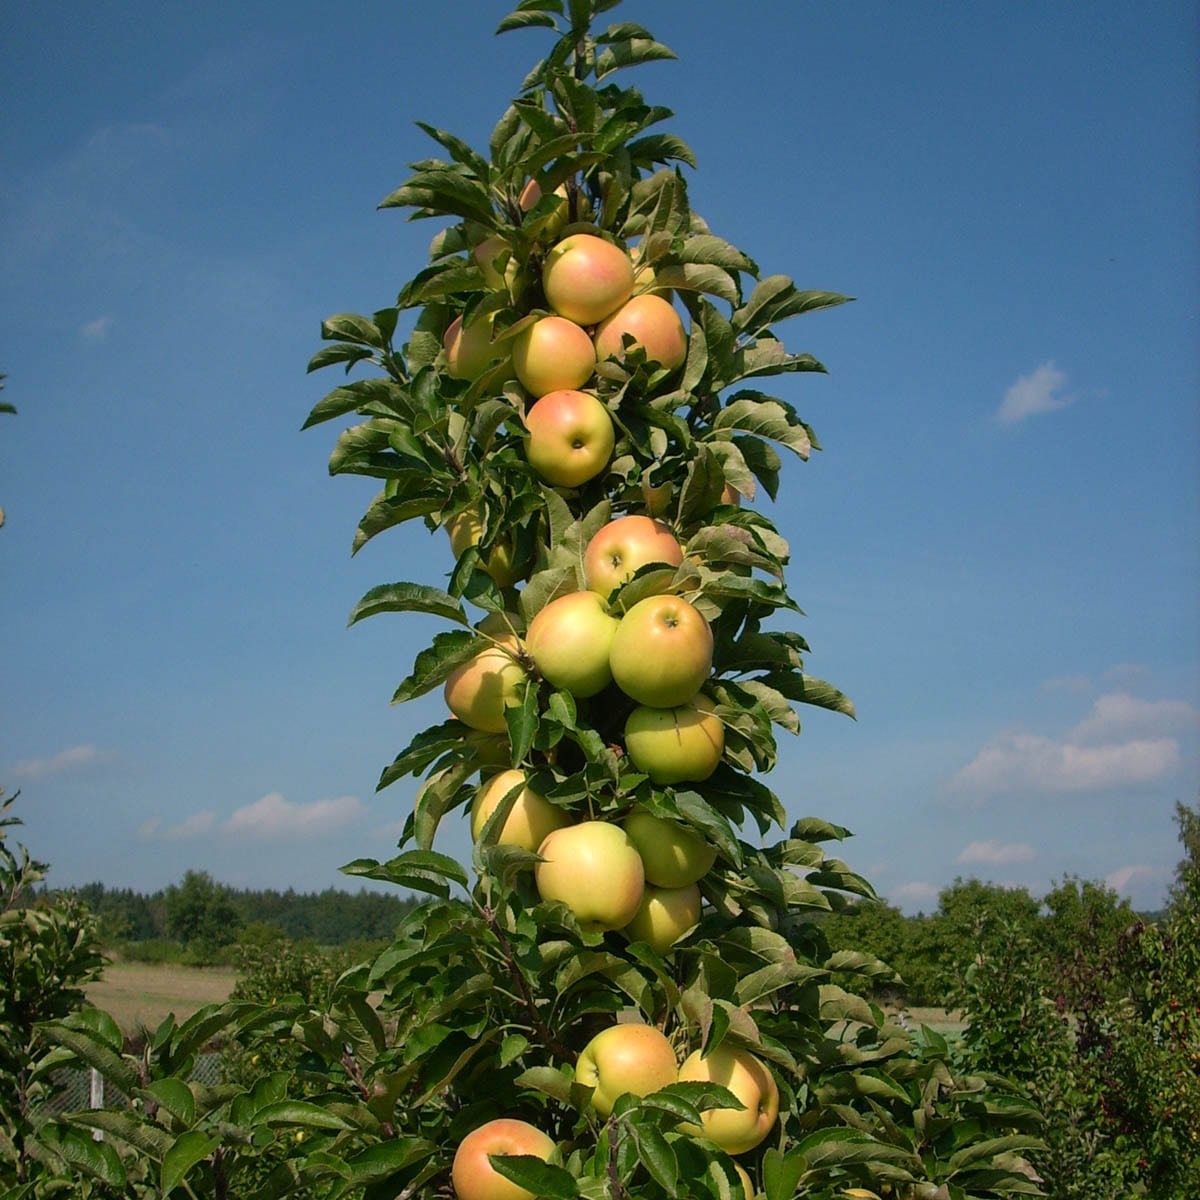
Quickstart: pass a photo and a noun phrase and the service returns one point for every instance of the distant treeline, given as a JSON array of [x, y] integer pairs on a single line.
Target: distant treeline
[[330, 917]]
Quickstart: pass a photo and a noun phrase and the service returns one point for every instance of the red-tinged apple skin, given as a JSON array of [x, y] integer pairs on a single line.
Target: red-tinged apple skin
[[652, 322], [571, 438], [595, 870], [531, 819], [569, 641], [551, 355], [623, 546], [586, 278], [469, 349], [675, 745], [662, 652], [479, 691], [532, 193], [465, 530], [635, 1059], [734, 1130], [664, 916], [673, 856], [475, 1178]]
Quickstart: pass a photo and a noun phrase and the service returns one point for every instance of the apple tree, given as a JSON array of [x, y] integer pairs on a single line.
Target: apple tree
[[626, 992]]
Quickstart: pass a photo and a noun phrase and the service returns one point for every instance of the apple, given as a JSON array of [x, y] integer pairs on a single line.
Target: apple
[[570, 437], [465, 529], [734, 1130], [532, 193], [469, 350], [531, 819], [672, 854], [568, 641], [586, 278], [622, 1059], [595, 870], [552, 354], [662, 651], [664, 916], [478, 691], [675, 745], [475, 1178], [748, 1187], [486, 255], [623, 546], [653, 323], [730, 495]]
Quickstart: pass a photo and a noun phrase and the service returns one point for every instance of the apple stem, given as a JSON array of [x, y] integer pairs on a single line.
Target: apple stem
[[350, 1063], [616, 1190]]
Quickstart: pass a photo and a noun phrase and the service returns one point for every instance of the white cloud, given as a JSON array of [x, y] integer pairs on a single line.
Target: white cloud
[[1127, 674], [97, 330], [1120, 879], [998, 853], [273, 816], [65, 760], [1118, 714], [1018, 762], [1033, 394], [198, 824]]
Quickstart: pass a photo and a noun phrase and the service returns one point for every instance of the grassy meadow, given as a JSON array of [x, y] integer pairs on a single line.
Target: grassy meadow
[[140, 995]]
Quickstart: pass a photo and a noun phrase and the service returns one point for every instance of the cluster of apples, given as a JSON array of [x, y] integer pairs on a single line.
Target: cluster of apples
[[638, 1060]]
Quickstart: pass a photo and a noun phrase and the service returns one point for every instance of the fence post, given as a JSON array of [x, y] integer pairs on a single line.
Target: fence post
[[97, 1101]]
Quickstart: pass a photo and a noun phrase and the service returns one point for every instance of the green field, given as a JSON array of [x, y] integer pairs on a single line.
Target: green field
[[139, 995]]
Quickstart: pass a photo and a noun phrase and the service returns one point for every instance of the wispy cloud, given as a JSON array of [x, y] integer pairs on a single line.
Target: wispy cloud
[[1121, 879], [273, 816], [1038, 392], [97, 330], [71, 759], [197, 825], [997, 853], [1119, 714]]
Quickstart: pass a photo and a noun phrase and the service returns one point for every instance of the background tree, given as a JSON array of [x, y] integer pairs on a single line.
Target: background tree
[[201, 913]]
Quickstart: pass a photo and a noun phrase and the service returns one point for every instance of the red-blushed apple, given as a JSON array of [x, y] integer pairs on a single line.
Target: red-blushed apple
[[475, 1178], [531, 819], [478, 691], [622, 546], [571, 437], [653, 323], [465, 530], [664, 916], [469, 349], [586, 278], [569, 640], [551, 355], [532, 193], [623, 1058], [675, 745], [672, 854], [747, 1077], [662, 651], [595, 870]]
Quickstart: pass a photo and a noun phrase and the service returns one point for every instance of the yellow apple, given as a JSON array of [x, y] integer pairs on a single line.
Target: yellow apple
[[595, 870], [469, 350], [672, 854], [675, 745], [487, 254], [623, 546], [465, 530], [636, 1059], [552, 354], [664, 916], [586, 278], [571, 437], [653, 323], [747, 1077], [531, 819], [568, 641], [475, 1178], [478, 691], [662, 651]]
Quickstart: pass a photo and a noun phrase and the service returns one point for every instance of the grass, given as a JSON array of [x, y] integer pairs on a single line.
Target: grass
[[139, 995]]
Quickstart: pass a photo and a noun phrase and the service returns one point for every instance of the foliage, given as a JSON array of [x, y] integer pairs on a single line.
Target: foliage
[[201, 914]]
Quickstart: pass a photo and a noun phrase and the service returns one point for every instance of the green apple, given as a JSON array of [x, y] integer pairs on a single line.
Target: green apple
[[623, 546], [475, 1178], [662, 652], [465, 529], [747, 1077], [570, 437], [478, 691], [675, 745], [672, 854], [551, 355], [595, 870], [531, 819], [586, 278], [469, 349], [635, 1059], [653, 323], [664, 916], [568, 641]]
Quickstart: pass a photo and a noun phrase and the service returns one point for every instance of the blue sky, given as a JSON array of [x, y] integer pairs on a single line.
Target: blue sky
[[998, 551]]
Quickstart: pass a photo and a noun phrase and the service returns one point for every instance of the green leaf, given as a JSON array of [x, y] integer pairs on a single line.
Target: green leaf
[[385, 1159], [350, 327], [177, 1163], [981, 1151], [340, 353], [538, 1178], [301, 1114], [781, 1174], [434, 664], [630, 54], [699, 277], [657, 1157], [151, 1140], [175, 1096], [420, 870], [443, 192], [94, 1052], [764, 416], [408, 597], [526, 20], [808, 690]]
